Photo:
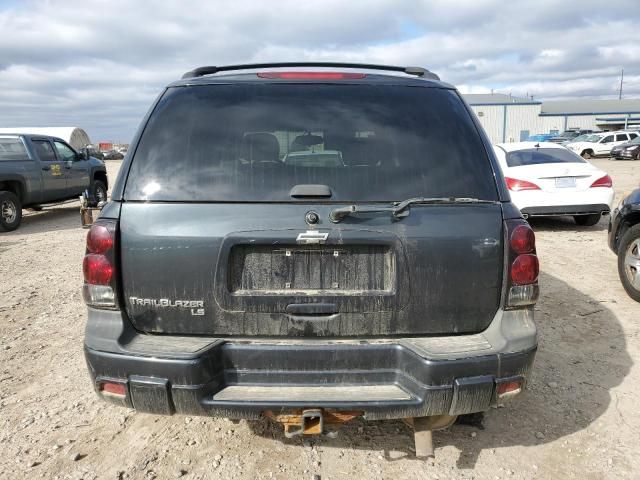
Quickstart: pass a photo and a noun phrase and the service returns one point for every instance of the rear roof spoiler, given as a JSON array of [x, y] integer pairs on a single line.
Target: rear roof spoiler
[[209, 70]]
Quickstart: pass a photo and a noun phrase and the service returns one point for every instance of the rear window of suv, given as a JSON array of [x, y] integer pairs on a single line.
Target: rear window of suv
[[254, 142]]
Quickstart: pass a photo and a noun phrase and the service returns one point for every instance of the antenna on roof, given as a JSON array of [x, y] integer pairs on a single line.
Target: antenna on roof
[[621, 79]]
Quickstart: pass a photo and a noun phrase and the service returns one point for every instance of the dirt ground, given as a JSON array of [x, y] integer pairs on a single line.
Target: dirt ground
[[578, 419]]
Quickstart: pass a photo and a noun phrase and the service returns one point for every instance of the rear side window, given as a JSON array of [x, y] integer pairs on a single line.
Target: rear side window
[[538, 156], [44, 150], [12, 149], [621, 137], [254, 142]]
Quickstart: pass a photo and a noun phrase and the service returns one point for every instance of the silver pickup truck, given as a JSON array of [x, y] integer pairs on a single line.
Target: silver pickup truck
[[38, 169]]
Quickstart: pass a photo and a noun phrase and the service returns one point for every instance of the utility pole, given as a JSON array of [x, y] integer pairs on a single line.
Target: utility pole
[[621, 79]]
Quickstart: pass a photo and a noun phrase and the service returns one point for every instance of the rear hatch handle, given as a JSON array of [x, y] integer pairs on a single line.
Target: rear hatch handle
[[310, 191], [312, 309]]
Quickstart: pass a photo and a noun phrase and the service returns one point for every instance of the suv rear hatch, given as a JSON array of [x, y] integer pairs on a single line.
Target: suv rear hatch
[[225, 226]]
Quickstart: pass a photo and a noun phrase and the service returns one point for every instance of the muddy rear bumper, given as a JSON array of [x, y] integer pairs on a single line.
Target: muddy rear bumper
[[392, 378]]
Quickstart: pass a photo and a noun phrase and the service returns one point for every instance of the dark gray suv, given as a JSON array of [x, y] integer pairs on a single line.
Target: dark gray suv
[[311, 243]]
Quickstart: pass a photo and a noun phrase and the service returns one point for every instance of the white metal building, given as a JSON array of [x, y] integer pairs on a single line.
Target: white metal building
[[74, 136], [593, 114], [511, 119], [505, 118]]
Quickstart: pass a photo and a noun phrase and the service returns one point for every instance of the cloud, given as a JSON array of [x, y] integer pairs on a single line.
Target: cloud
[[100, 64]]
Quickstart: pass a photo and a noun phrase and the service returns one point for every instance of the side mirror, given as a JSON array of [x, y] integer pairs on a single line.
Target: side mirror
[[83, 154]]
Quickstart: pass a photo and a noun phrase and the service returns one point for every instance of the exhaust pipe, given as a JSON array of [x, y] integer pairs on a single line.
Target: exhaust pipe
[[423, 428]]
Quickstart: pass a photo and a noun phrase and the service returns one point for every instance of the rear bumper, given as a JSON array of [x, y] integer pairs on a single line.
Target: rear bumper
[[383, 379], [560, 202], [626, 155], [557, 210]]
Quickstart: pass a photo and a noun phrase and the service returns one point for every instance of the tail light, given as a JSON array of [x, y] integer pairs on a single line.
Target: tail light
[[516, 185], [522, 281], [99, 265], [603, 182]]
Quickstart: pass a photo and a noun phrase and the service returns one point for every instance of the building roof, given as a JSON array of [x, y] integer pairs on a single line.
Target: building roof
[[75, 136], [591, 106], [497, 99]]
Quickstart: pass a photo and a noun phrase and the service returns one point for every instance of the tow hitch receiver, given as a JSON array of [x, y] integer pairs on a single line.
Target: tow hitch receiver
[[310, 421]]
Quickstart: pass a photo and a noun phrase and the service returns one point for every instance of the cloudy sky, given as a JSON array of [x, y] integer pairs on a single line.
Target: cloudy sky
[[100, 64]]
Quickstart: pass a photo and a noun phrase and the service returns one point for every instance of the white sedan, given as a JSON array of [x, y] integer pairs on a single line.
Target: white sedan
[[545, 179]]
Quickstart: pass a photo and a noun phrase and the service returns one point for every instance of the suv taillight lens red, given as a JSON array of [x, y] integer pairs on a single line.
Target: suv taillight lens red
[[523, 264], [603, 182], [99, 239], [98, 265], [522, 239], [97, 269], [525, 269], [516, 185]]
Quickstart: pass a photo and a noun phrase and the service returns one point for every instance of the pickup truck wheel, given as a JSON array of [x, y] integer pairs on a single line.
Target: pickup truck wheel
[[10, 211], [629, 262], [587, 220], [99, 190]]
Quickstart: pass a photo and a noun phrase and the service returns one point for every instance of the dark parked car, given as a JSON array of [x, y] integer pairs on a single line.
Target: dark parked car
[[395, 280], [624, 240], [95, 153], [569, 135], [627, 151], [37, 169], [113, 155]]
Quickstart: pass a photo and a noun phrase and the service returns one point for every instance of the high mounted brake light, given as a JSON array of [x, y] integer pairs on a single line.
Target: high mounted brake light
[[311, 75]]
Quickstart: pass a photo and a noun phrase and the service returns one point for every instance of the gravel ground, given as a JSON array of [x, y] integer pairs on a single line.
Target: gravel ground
[[578, 418]]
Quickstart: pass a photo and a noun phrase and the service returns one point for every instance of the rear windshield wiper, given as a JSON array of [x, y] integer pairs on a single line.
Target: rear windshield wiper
[[401, 209]]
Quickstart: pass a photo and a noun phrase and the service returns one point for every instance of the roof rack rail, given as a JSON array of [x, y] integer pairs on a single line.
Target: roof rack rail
[[417, 71]]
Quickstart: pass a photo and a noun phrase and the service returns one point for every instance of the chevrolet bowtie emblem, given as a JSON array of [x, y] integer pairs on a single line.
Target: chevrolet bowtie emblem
[[312, 236]]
